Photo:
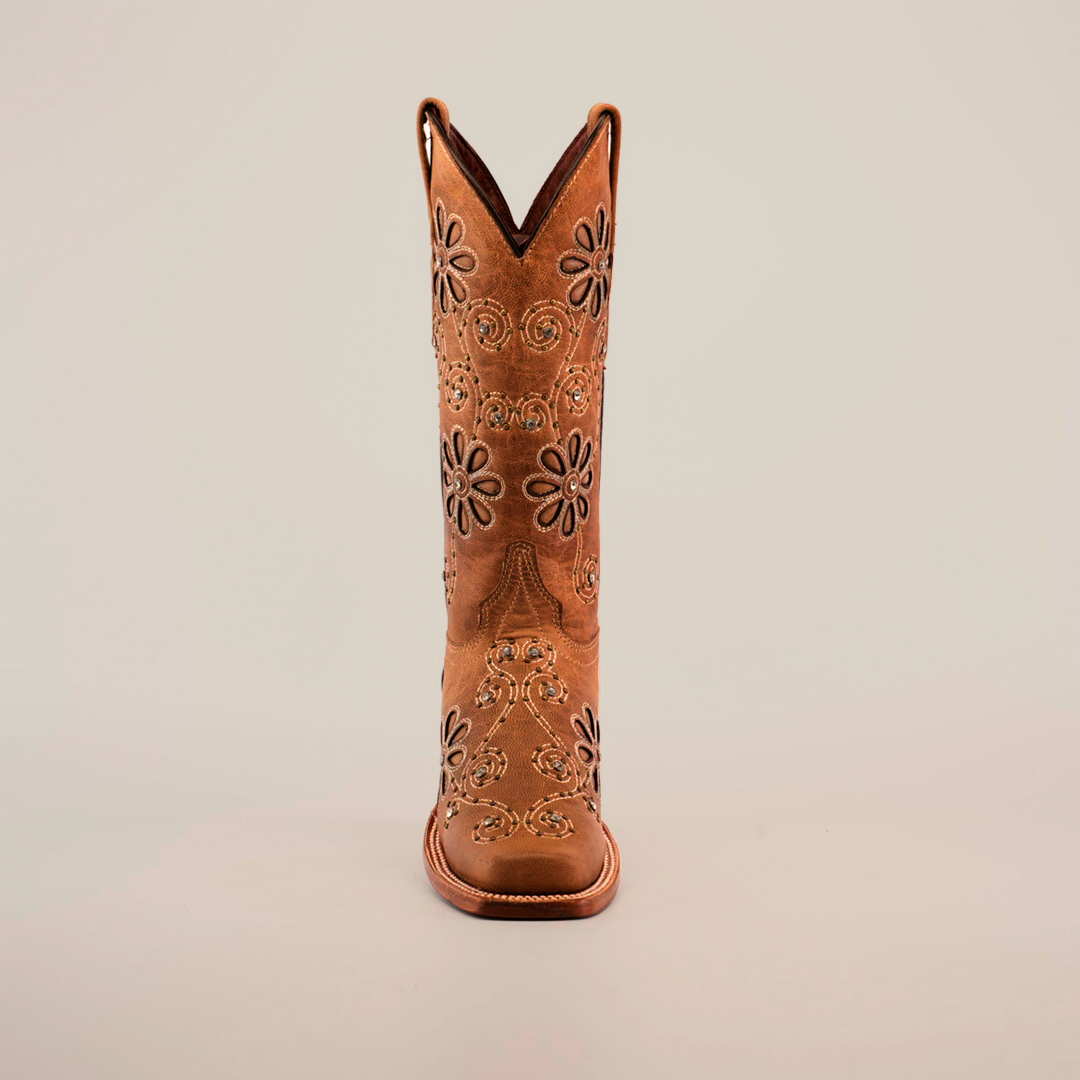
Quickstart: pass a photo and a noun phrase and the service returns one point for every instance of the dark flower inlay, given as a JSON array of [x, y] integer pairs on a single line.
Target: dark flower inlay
[[454, 730], [588, 747], [588, 265], [453, 261], [563, 488], [468, 485]]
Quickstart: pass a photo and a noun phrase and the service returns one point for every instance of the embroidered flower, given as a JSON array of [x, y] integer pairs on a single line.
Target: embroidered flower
[[454, 753], [588, 747], [589, 264], [453, 260], [563, 488], [468, 486]]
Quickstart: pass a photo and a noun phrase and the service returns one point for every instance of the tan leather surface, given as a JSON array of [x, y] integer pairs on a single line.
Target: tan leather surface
[[520, 316]]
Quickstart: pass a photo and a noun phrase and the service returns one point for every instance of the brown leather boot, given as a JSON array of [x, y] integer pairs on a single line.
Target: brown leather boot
[[520, 335]]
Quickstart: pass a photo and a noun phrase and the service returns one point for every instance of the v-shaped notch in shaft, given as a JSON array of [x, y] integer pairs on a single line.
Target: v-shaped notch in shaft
[[483, 183]]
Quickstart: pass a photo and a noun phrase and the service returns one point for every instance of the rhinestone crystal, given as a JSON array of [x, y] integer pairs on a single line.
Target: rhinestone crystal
[[534, 653], [530, 424], [550, 691], [484, 329], [507, 652], [458, 393], [488, 821], [577, 394], [487, 695]]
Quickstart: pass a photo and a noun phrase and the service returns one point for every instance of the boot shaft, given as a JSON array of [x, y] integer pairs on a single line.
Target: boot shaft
[[520, 318]]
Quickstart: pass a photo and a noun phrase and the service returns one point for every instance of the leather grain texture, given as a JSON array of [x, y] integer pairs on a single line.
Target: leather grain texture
[[519, 328]]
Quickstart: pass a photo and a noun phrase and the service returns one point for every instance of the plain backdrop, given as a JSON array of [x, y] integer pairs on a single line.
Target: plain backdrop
[[840, 535]]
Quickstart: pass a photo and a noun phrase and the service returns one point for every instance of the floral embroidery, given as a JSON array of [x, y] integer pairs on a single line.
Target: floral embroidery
[[551, 823], [588, 747], [468, 486], [552, 761], [499, 823], [487, 766], [453, 749], [589, 264], [586, 574], [453, 260], [563, 488]]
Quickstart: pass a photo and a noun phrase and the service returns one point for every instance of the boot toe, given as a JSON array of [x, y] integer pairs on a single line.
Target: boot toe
[[530, 865]]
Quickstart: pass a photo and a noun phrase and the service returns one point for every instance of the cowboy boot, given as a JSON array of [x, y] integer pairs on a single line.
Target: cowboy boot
[[520, 334]]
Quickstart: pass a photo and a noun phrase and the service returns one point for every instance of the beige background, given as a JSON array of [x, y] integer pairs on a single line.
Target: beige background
[[840, 535]]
